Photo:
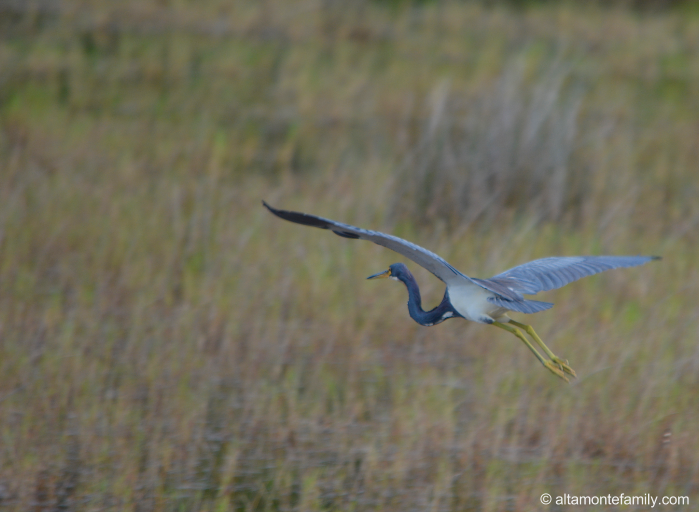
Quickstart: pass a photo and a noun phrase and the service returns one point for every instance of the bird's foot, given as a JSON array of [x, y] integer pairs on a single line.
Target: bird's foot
[[554, 368], [563, 365]]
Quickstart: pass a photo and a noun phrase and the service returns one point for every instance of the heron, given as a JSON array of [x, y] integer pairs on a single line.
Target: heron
[[485, 301]]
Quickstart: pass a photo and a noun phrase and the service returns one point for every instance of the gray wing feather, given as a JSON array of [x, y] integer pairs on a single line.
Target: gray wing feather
[[551, 273], [522, 306], [529, 278], [427, 259]]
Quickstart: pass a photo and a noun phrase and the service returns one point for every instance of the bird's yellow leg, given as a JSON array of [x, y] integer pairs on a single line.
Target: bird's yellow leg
[[553, 367], [562, 363]]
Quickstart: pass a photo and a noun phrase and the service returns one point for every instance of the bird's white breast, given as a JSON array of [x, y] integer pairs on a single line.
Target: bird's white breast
[[471, 301]]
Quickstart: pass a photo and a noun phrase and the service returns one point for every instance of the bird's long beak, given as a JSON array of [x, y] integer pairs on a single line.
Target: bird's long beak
[[381, 275]]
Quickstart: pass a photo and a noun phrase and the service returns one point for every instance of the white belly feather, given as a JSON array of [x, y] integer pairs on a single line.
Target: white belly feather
[[471, 301]]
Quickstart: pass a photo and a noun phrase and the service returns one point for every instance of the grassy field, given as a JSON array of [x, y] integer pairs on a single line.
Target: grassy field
[[166, 344]]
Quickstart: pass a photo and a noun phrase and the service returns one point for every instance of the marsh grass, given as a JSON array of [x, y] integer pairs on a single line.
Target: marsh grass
[[166, 344], [511, 146]]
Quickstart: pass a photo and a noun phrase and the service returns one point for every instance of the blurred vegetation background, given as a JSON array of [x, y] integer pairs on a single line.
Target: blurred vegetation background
[[167, 345]]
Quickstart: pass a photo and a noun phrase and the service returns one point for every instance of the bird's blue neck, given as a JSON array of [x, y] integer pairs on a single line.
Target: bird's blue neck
[[427, 318]]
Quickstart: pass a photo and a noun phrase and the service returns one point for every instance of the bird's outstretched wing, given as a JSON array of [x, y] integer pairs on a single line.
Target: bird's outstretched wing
[[529, 278], [551, 273], [427, 259]]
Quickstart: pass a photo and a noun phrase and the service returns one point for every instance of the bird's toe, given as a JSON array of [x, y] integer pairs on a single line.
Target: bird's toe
[[554, 368], [563, 365]]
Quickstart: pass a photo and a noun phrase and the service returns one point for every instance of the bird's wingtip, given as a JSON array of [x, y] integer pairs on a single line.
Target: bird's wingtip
[[656, 258]]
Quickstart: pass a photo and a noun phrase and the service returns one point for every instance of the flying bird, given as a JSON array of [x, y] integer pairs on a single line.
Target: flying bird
[[486, 301]]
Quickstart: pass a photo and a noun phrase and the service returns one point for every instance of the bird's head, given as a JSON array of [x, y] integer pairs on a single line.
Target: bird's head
[[397, 271]]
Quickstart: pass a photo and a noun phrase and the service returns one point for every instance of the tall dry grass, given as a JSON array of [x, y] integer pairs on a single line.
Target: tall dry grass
[[166, 344], [510, 146]]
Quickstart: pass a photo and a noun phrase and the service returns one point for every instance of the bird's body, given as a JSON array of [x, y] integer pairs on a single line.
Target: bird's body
[[475, 303], [485, 301]]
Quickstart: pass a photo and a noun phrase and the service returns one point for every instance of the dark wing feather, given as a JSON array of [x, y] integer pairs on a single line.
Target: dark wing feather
[[429, 260], [551, 273]]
